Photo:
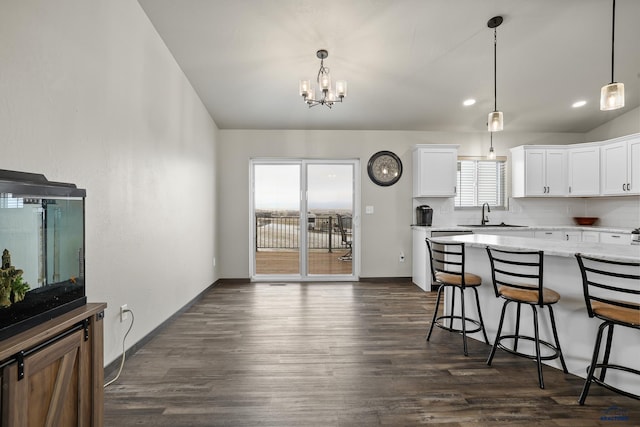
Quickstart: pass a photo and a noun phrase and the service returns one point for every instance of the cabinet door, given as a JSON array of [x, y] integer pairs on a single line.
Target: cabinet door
[[535, 179], [584, 171], [613, 162], [50, 391], [633, 166], [550, 235], [573, 236], [591, 236], [435, 172], [419, 260], [555, 172], [615, 238]]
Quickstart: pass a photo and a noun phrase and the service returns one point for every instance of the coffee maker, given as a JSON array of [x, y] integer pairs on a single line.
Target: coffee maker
[[424, 215]]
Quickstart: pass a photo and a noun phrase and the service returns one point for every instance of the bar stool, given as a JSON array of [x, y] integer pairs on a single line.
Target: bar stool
[[447, 270], [517, 277], [607, 286]]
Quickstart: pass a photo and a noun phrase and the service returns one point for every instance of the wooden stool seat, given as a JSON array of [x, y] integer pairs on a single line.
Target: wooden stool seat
[[470, 279], [529, 295], [616, 313]]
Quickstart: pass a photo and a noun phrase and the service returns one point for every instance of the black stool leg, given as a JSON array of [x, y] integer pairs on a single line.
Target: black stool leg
[[607, 352], [453, 305], [555, 336], [517, 334], [435, 313], [592, 367], [464, 323], [486, 340], [495, 343], [537, 336]]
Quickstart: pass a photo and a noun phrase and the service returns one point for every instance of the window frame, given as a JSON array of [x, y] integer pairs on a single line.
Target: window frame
[[503, 159]]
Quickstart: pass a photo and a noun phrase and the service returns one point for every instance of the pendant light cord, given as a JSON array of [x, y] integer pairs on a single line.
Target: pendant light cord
[[495, 68], [613, 34]]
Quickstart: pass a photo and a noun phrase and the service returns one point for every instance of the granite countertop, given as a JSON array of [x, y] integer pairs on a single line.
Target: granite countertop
[[627, 253], [527, 228]]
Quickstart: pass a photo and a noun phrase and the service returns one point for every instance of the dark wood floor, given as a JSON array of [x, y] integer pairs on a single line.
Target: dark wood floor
[[337, 354]]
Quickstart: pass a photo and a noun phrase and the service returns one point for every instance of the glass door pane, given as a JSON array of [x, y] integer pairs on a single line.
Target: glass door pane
[[277, 219], [330, 194]]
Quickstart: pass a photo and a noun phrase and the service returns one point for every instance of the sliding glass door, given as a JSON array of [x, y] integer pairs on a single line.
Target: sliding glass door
[[303, 221], [330, 218]]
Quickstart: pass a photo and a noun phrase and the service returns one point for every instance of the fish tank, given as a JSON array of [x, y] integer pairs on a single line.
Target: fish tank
[[42, 246]]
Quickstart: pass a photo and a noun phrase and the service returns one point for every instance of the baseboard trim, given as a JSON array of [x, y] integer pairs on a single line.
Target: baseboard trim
[[385, 279], [112, 367], [233, 281]]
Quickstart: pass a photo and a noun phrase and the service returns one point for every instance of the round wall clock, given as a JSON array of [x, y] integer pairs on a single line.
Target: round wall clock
[[384, 168]]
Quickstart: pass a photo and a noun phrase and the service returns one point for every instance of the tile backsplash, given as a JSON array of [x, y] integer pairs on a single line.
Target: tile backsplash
[[622, 212]]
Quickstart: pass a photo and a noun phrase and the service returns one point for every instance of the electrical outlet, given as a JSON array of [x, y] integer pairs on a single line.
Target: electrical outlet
[[401, 256], [124, 314]]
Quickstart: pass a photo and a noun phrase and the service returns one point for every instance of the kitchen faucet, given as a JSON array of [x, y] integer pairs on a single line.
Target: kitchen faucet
[[485, 220]]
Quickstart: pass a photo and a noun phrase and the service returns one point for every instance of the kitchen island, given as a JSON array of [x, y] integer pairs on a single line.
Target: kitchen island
[[576, 331]]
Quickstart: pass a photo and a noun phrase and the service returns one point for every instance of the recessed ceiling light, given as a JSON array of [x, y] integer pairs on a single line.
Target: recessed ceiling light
[[468, 102], [579, 104]]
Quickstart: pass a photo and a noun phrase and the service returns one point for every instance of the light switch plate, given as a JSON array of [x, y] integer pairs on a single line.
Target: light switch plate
[[368, 209]]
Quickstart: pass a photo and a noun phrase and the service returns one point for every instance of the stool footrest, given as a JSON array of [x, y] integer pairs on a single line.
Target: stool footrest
[[555, 355], [439, 322], [596, 380]]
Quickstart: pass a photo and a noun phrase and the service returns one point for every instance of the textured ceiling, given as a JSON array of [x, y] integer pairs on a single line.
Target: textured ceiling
[[409, 63]]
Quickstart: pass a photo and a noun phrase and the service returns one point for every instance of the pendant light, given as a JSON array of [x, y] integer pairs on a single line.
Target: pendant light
[[492, 153], [612, 95], [495, 119]]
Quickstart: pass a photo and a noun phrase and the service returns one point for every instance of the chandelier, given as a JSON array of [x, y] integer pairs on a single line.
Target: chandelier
[[327, 96]]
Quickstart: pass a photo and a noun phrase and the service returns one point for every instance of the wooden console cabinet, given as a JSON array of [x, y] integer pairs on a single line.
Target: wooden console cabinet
[[53, 373]]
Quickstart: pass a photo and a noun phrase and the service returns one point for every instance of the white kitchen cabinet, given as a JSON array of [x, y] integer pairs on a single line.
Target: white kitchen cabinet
[[615, 238], [435, 170], [550, 234], [419, 259], [573, 236], [591, 236], [583, 170], [512, 233], [539, 171], [620, 166]]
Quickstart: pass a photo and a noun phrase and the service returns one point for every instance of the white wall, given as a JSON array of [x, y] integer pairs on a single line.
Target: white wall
[[384, 233], [90, 94], [625, 124]]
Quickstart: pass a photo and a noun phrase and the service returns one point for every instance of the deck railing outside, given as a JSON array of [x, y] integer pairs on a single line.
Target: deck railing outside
[[283, 232]]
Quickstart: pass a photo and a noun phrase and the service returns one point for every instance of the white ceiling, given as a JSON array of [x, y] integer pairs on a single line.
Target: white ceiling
[[409, 64]]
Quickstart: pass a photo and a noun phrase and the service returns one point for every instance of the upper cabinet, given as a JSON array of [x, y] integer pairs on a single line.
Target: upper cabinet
[[539, 171], [434, 170], [607, 168], [620, 166], [583, 171]]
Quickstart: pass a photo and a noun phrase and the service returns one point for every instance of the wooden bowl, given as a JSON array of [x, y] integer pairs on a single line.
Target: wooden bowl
[[585, 220]]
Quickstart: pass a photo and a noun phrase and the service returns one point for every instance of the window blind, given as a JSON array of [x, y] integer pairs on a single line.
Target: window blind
[[481, 181]]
